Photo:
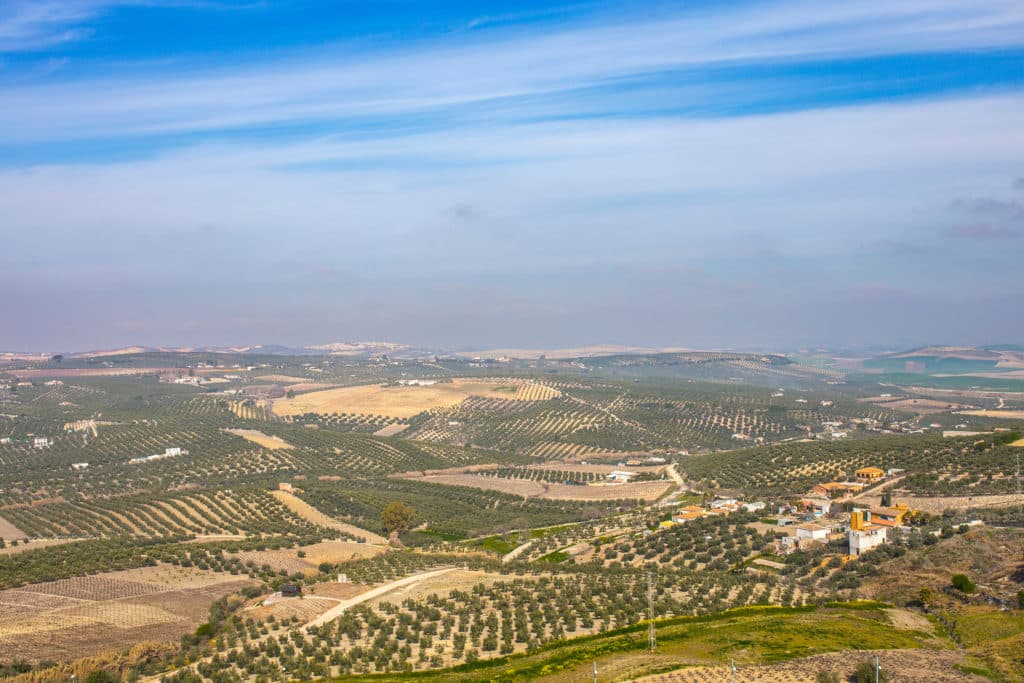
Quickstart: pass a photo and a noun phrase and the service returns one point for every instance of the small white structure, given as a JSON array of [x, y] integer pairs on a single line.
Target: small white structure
[[417, 382], [168, 453], [621, 476], [79, 466], [826, 404], [811, 532], [41, 442], [754, 507]]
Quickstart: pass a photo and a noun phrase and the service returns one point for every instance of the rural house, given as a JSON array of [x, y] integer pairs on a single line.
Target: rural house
[[864, 534], [870, 474]]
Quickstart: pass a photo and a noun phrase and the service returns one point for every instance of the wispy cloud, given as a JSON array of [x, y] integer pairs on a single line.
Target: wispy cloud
[[508, 71]]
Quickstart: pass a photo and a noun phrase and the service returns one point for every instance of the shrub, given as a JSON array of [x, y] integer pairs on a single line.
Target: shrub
[[962, 583], [865, 673]]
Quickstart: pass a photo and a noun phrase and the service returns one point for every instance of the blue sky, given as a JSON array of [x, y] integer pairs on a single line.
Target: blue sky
[[755, 174]]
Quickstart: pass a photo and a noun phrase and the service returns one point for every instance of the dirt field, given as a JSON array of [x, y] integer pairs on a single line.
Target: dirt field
[[515, 487], [391, 430], [913, 666], [81, 616], [9, 532], [404, 401], [645, 490], [311, 514], [1004, 414], [257, 437]]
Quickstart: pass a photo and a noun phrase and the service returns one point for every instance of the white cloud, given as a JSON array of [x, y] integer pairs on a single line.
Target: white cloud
[[492, 67]]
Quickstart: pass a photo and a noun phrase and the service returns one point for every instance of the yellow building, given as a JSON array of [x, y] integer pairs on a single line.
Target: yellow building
[[869, 474]]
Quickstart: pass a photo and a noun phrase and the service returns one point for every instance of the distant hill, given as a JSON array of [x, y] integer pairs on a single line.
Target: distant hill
[[950, 360]]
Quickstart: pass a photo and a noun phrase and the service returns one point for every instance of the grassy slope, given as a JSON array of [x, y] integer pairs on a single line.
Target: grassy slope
[[753, 635]]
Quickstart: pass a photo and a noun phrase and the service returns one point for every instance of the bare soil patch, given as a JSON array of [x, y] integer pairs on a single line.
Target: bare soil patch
[[257, 437], [9, 532]]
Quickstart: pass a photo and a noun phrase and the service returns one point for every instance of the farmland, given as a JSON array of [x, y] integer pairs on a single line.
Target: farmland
[[403, 401], [529, 551]]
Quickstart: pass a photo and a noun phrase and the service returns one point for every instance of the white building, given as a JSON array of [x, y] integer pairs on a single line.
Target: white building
[[79, 466], [41, 442], [620, 475], [811, 532], [863, 540], [754, 507]]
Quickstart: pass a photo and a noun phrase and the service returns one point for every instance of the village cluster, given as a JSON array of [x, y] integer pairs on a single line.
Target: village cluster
[[817, 519]]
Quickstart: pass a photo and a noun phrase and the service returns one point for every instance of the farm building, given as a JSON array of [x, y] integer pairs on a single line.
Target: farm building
[[41, 442], [620, 476], [290, 590], [836, 489], [864, 533], [890, 516], [870, 474], [79, 466]]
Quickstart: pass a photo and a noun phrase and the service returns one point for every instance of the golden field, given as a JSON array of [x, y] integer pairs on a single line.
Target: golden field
[[403, 402]]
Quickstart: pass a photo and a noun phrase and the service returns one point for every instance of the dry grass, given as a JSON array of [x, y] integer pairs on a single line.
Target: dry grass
[[1019, 443], [311, 514], [406, 401], [257, 437]]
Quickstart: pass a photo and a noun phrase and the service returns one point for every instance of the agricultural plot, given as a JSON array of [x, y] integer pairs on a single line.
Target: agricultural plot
[[458, 510], [85, 615], [259, 438], [242, 512], [932, 465], [403, 401]]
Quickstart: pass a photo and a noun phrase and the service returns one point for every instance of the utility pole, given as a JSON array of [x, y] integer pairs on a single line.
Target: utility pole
[[732, 669], [876, 669], [595, 671], [652, 638]]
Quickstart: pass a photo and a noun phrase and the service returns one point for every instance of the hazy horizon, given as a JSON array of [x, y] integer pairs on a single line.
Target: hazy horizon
[[750, 174]]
